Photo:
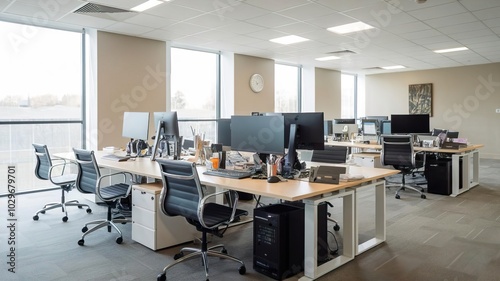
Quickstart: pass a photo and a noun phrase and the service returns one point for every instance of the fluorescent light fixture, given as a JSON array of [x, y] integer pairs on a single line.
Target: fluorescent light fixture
[[146, 5], [290, 39], [393, 67], [350, 27], [327, 58], [451, 50]]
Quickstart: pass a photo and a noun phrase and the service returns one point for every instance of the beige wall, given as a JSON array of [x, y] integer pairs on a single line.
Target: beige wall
[[245, 100], [464, 99], [327, 92], [131, 76]]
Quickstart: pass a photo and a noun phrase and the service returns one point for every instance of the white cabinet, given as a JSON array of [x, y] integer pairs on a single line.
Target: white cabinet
[[150, 226]]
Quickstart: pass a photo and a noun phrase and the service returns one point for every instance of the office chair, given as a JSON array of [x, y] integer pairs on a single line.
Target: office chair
[[331, 154], [182, 195], [397, 150], [89, 180], [57, 174]]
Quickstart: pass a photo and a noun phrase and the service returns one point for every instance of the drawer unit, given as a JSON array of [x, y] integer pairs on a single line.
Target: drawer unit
[[366, 159], [150, 226]]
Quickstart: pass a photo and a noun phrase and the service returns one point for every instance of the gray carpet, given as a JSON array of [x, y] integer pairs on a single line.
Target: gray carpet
[[439, 238]]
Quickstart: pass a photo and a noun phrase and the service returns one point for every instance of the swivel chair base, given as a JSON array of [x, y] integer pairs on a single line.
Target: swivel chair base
[[109, 222], [63, 204], [403, 187], [204, 252]]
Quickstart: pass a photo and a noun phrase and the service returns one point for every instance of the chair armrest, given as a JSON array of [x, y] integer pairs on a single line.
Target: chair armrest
[[124, 174], [232, 202], [64, 165]]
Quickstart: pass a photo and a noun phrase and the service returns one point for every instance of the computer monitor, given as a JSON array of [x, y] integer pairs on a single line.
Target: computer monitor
[[379, 118], [344, 121], [370, 127], [410, 124], [224, 132], [303, 130], [167, 130], [385, 127], [136, 127], [328, 127], [263, 135]]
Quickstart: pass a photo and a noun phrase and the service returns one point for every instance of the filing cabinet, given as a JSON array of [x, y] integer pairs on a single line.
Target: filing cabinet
[[150, 226]]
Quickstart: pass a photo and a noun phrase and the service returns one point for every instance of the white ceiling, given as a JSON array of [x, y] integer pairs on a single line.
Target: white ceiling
[[406, 32]]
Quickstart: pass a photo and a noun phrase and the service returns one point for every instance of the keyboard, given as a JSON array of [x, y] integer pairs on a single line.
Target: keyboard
[[114, 157], [234, 174]]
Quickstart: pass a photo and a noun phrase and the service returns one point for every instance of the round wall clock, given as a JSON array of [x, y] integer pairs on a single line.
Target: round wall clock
[[256, 83]]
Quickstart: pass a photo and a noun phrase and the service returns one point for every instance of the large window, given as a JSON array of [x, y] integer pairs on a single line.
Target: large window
[[40, 96], [348, 96], [194, 91], [286, 88]]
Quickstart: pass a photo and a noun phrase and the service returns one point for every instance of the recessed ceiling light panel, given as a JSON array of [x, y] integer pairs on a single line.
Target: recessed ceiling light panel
[[350, 27], [290, 39], [327, 58], [393, 67], [451, 50]]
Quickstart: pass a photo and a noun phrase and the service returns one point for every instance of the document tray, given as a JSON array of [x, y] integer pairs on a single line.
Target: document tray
[[326, 174]]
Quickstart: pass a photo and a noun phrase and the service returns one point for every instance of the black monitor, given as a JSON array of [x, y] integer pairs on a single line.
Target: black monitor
[[136, 127], [344, 121], [328, 127], [303, 130], [385, 127], [259, 134], [224, 131], [410, 123], [167, 130]]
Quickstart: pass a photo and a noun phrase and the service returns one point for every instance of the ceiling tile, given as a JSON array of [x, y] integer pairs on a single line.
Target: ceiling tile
[[439, 11], [150, 21], [271, 20], [127, 28], [307, 12]]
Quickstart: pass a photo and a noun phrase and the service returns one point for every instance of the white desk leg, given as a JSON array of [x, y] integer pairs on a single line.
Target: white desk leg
[[455, 175], [311, 268], [475, 168], [380, 218]]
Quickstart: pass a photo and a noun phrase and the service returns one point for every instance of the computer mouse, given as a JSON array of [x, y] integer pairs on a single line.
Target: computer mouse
[[273, 179]]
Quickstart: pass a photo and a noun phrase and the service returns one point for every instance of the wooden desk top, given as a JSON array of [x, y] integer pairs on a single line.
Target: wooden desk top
[[291, 190], [416, 148]]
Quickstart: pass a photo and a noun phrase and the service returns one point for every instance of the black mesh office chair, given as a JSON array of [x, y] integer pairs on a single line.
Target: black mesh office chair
[[397, 150], [89, 180], [182, 195], [331, 154], [58, 174]]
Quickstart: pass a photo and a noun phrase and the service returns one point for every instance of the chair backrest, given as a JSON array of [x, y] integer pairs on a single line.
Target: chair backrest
[[88, 171], [182, 190], [43, 161], [397, 150], [331, 154]]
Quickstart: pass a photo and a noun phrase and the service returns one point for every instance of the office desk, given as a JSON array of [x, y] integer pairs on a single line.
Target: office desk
[[312, 194], [469, 156]]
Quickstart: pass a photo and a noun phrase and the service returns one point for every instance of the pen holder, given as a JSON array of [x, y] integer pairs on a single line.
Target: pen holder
[[272, 169]]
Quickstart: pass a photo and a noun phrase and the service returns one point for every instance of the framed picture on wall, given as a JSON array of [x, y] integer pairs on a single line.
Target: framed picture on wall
[[420, 99]]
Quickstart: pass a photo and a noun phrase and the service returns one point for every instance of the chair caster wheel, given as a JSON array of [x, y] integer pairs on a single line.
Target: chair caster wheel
[[178, 255], [397, 196], [336, 227], [161, 277], [119, 240], [80, 207], [42, 212], [423, 196], [35, 218], [89, 211], [84, 229], [81, 242], [242, 270], [65, 219], [224, 251]]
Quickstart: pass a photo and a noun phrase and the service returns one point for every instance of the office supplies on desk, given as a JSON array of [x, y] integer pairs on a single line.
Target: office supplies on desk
[[234, 174], [326, 174], [114, 157]]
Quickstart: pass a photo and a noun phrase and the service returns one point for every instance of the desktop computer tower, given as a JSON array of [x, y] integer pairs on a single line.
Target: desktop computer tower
[[438, 173], [278, 240]]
